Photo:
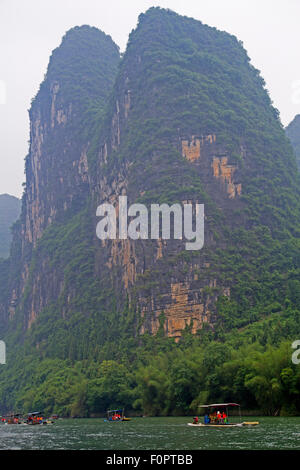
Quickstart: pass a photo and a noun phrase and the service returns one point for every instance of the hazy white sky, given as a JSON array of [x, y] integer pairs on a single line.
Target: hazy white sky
[[31, 29]]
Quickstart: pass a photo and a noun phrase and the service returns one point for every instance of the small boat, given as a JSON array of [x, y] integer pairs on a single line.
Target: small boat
[[116, 416], [202, 425], [217, 417], [12, 419], [37, 418], [29, 419]]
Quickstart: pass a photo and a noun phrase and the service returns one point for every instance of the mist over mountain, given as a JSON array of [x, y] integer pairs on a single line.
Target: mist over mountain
[[10, 208], [182, 117]]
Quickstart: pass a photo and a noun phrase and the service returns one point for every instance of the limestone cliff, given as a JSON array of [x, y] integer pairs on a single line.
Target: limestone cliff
[[155, 149], [184, 119], [67, 107]]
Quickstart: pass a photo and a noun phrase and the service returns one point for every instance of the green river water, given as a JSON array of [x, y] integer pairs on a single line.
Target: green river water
[[151, 434]]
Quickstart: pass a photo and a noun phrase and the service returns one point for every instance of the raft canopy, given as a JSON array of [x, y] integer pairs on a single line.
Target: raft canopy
[[220, 405]]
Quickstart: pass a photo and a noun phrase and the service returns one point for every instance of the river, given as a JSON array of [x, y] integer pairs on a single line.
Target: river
[[151, 434]]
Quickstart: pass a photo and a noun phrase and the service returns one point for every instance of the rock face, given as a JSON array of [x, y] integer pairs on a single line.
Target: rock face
[[70, 102], [203, 150], [57, 166], [184, 119], [293, 133]]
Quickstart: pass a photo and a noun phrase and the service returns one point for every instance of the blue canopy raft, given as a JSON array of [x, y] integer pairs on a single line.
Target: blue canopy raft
[[116, 416]]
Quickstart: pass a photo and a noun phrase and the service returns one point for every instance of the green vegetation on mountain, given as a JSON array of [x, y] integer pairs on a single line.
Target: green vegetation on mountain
[[83, 67], [73, 342]]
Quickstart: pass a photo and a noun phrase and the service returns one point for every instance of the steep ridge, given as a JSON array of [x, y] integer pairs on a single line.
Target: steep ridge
[[185, 118], [68, 105], [65, 113]]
